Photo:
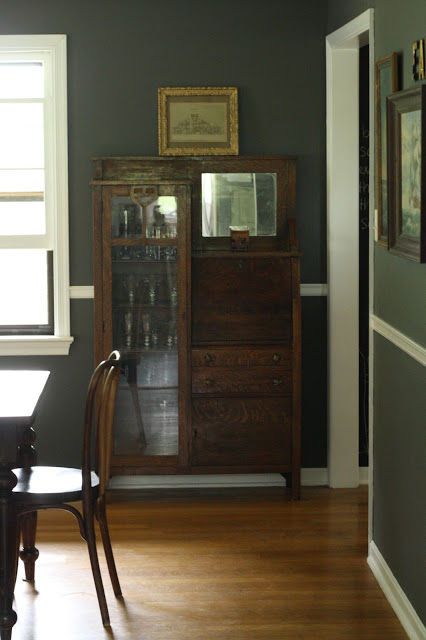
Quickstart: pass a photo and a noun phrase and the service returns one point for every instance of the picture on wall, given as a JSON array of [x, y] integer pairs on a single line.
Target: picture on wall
[[198, 121], [386, 81], [406, 173]]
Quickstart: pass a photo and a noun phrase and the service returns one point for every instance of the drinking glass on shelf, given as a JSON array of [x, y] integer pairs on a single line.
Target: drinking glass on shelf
[[174, 294], [154, 337], [172, 334], [131, 286], [152, 291], [128, 328], [125, 253], [146, 328], [151, 253]]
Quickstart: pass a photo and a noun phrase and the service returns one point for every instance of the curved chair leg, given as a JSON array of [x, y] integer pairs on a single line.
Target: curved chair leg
[[94, 561], [106, 540]]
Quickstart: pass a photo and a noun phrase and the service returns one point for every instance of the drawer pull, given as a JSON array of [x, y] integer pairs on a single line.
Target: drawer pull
[[208, 382], [277, 381], [209, 357], [276, 357]]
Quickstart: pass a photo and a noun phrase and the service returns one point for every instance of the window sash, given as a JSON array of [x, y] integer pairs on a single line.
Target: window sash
[[52, 50], [37, 329]]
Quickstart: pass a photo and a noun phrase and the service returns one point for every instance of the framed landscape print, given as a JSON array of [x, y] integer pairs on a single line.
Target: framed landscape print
[[406, 173], [199, 121], [386, 82]]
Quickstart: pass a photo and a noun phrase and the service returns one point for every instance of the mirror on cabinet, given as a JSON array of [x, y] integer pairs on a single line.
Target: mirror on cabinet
[[238, 199]]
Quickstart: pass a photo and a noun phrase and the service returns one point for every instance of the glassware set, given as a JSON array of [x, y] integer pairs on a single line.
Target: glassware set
[[152, 290], [148, 332], [145, 253]]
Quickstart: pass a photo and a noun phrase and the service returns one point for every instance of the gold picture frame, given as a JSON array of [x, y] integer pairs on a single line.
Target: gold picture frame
[[386, 81], [197, 121], [406, 116]]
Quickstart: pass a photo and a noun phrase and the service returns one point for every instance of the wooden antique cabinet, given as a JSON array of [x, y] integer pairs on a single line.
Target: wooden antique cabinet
[[210, 336]]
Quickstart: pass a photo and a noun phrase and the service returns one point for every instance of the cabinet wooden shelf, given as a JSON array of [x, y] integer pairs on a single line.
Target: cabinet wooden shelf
[[210, 337]]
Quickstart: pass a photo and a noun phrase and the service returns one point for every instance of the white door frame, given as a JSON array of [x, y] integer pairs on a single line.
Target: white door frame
[[342, 65]]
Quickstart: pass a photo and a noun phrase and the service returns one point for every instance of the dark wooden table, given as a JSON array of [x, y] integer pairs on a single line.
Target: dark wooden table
[[20, 392]]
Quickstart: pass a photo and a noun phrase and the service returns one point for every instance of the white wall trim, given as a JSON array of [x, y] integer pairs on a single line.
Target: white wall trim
[[342, 56], [310, 477], [316, 289], [397, 338], [351, 31], [364, 475], [395, 595], [314, 477], [82, 292], [35, 345]]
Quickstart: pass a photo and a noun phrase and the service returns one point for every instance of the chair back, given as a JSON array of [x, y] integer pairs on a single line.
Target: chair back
[[98, 422]]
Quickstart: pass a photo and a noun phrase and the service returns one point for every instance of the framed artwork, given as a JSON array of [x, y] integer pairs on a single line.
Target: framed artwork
[[200, 121], [406, 113], [386, 74]]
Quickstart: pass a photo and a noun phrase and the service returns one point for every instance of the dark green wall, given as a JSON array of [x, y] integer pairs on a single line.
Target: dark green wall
[[339, 13], [59, 424], [399, 520], [119, 53], [400, 294], [399, 509]]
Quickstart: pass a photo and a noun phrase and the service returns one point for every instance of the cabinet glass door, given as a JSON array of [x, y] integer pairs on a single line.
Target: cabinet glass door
[[145, 297]]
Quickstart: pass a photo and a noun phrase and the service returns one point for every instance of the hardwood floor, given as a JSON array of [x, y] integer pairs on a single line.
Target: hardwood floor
[[209, 565]]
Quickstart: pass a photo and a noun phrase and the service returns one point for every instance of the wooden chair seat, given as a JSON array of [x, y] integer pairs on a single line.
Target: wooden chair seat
[[51, 485]]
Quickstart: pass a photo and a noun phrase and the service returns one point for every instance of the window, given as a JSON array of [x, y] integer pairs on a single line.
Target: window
[[34, 270]]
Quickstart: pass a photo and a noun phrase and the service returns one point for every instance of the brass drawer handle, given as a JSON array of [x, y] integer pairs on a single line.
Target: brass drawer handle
[[277, 381], [209, 357], [208, 382], [276, 357]]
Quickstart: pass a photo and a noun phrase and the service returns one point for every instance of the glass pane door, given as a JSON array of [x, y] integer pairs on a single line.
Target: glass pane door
[[144, 269]]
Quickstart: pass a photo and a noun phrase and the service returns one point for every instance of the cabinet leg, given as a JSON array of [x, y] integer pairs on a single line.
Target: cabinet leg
[[295, 485], [292, 480], [288, 479]]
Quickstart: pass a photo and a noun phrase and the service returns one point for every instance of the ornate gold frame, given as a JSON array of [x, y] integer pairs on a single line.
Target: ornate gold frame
[[218, 136], [386, 75]]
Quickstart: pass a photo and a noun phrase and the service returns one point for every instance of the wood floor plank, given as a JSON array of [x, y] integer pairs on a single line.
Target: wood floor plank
[[213, 565]]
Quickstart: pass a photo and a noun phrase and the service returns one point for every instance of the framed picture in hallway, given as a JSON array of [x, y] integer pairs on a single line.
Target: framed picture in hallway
[[406, 114], [200, 121], [386, 82]]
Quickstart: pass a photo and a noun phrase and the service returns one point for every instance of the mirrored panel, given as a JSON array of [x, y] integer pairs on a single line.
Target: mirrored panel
[[239, 199]]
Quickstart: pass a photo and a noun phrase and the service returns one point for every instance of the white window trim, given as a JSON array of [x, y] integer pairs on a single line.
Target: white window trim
[[59, 343]]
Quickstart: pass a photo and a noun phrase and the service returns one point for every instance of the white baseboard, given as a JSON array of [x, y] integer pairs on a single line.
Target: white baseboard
[[310, 477], [363, 477], [399, 602], [198, 481]]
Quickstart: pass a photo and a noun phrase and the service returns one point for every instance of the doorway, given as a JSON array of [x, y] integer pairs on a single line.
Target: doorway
[[343, 51]]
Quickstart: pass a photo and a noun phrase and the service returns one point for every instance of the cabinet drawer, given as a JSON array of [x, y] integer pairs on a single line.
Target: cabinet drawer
[[236, 357], [225, 380], [241, 431]]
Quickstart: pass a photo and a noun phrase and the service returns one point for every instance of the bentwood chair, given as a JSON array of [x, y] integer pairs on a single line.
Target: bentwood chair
[[55, 487]]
